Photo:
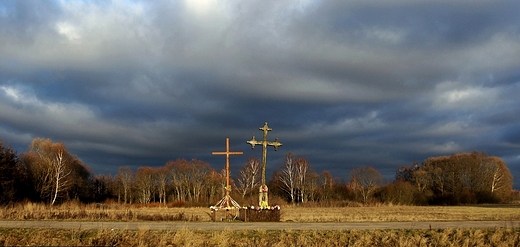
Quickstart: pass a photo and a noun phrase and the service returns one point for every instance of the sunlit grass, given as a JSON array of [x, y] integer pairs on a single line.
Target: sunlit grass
[[401, 213], [291, 213]]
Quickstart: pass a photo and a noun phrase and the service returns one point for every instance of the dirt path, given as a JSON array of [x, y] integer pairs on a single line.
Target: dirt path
[[255, 225]]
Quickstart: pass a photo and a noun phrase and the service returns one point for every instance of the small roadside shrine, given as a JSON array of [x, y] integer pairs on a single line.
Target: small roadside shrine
[[228, 209]]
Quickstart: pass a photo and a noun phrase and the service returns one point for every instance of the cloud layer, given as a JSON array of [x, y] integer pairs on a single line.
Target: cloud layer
[[342, 83]]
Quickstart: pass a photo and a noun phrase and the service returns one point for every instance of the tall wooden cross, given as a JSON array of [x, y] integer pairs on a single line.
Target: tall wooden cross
[[263, 188], [227, 153]]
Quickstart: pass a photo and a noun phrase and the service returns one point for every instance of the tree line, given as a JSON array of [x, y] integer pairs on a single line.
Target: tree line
[[47, 172]]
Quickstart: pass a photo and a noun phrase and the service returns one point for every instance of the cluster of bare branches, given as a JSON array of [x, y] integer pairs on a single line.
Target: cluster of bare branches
[[300, 183], [179, 180], [249, 177]]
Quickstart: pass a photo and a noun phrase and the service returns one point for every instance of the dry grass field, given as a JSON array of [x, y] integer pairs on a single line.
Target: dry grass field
[[402, 213], [116, 212], [506, 236]]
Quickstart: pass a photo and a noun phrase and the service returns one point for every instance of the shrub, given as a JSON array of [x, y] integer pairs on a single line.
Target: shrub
[[260, 215]]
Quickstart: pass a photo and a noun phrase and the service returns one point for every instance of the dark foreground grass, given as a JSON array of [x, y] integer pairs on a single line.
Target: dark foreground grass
[[227, 237]]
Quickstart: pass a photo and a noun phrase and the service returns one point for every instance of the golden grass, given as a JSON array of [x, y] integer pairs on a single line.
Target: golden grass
[[401, 213], [101, 212], [117, 212], [184, 237]]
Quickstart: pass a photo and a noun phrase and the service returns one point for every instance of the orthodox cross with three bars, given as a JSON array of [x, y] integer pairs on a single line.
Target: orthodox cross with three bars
[[264, 144], [227, 153]]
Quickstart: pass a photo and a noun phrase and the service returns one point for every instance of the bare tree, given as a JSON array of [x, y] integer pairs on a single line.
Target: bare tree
[[215, 186], [200, 171], [498, 178], [326, 183], [287, 176], [181, 176], [162, 178], [301, 169], [145, 184], [249, 176], [39, 174], [422, 180], [38, 163], [365, 181], [60, 175], [126, 178], [312, 185], [50, 168], [434, 176]]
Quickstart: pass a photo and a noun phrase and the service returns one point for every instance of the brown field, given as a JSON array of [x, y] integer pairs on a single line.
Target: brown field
[[154, 212], [402, 213], [503, 236]]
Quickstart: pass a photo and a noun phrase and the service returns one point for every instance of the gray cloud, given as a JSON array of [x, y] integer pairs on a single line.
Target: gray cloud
[[343, 83]]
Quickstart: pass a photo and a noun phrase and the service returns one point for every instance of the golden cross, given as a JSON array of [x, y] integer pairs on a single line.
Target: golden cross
[[264, 144], [227, 153]]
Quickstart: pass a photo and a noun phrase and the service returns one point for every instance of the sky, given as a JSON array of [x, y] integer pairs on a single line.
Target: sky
[[342, 83]]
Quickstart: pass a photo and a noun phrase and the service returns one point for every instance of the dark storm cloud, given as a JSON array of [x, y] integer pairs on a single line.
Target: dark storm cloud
[[342, 83]]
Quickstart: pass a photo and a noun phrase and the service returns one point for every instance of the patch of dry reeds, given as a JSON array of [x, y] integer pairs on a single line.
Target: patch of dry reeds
[[99, 212]]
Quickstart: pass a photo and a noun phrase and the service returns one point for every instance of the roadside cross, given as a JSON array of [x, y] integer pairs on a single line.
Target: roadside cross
[[263, 188], [227, 153]]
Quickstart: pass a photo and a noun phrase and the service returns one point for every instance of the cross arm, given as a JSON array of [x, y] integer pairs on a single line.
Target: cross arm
[[275, 144], [254, 142], [226, 153]]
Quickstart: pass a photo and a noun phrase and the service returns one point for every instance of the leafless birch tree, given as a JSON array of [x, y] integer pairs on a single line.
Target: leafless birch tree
[[301, 170], [249, 176], [163, 178], [287, 176], [49, 168], [126, 178], [145, 184], [60, 175]]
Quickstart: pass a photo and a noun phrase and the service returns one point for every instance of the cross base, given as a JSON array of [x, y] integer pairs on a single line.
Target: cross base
[[228, 204]]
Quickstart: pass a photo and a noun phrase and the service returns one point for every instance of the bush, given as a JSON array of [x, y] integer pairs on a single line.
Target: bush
[[260, 215]]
